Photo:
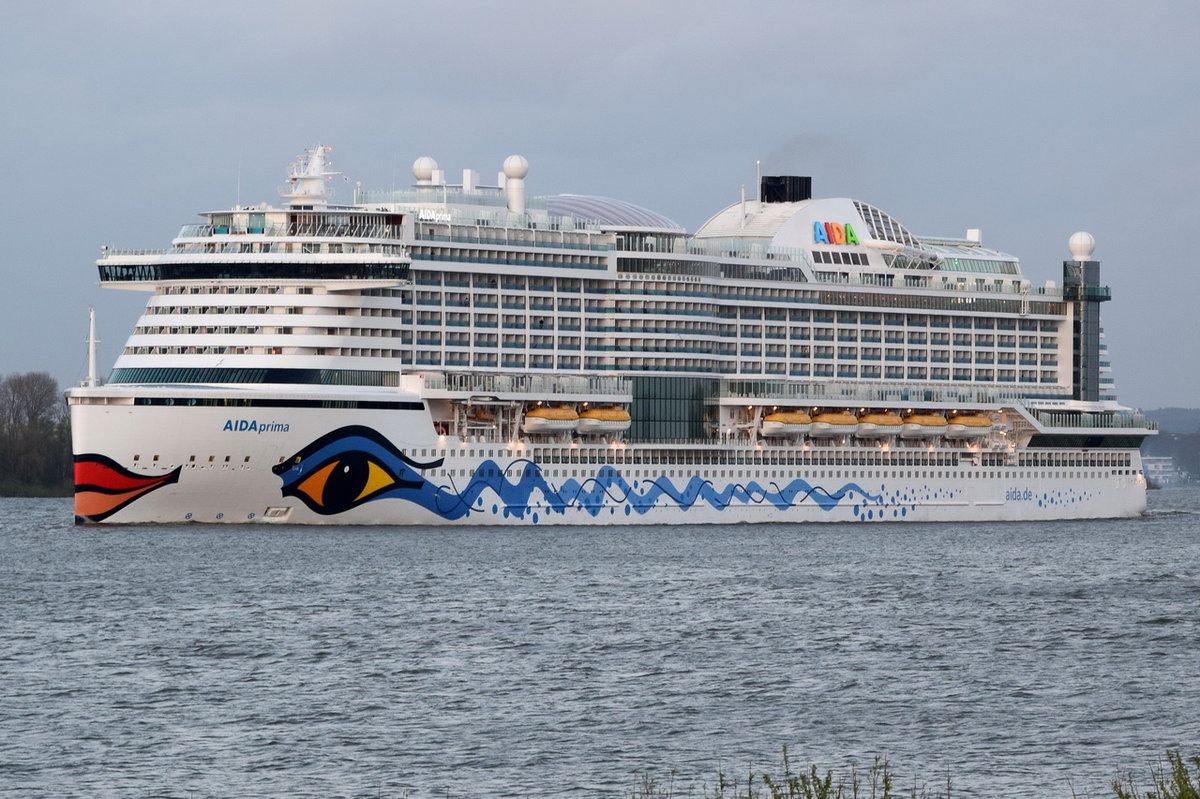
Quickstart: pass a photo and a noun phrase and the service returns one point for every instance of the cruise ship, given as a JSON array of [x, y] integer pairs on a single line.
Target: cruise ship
[[462, 353]]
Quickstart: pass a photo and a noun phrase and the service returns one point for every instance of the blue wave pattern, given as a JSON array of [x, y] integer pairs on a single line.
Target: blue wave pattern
[[609, 489], [354, 465]]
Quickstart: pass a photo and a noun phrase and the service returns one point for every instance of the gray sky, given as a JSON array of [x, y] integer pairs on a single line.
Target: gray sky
[[1029, 120]]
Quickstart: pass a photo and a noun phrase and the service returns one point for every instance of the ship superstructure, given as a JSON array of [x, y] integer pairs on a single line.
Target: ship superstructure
[[465, 353]]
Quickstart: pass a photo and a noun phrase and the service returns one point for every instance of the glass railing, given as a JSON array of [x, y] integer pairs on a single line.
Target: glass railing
[[612, 388], [442, 195], [1105, 419], [848, 392]]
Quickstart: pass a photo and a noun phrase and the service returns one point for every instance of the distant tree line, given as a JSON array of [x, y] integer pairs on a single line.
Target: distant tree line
[[1178, 437], [35, 437], [1183, 448]]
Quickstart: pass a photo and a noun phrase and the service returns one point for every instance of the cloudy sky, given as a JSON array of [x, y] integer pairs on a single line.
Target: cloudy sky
[[1029, 120]]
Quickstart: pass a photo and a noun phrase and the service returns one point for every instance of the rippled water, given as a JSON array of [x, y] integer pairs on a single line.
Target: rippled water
[[1027, 660]]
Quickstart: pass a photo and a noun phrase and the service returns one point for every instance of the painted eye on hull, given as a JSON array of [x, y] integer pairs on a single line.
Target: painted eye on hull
[[343, 483], [349, 466]]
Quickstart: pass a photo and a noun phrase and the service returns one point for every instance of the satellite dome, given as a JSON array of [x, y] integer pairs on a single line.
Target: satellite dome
[[1082, 245], [423, 168], [516, 167]]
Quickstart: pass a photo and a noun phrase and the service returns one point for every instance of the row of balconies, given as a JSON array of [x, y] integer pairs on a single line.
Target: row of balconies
[[491, 359]]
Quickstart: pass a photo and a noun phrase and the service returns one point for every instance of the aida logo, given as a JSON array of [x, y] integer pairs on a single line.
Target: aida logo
[[431, 215], [833, 233], [253, 426]]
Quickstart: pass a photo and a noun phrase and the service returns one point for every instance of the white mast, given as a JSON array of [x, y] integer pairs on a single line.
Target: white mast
[[92, 379], [307, 176]]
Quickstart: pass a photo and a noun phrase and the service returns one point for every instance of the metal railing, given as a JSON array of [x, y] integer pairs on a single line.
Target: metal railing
[[849, 392], [541, 385]]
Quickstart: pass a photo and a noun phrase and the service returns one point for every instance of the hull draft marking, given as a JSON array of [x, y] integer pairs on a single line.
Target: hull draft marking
[[353, 465], [103, 486]]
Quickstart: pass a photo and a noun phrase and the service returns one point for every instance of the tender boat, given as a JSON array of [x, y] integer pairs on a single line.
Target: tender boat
[[786, 423], [551, 419], [879, 425], [827, 424], [923, 425], [600, 421], [968, 425]]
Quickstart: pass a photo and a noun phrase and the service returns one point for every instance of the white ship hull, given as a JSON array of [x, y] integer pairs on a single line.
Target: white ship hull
[[234, 468]]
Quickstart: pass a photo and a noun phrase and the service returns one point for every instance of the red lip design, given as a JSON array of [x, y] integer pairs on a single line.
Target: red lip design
[[103, 486]]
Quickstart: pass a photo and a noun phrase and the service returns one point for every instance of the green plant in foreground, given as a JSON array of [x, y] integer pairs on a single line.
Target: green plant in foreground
[[1176, 777], [1171, 780], [877, 783]]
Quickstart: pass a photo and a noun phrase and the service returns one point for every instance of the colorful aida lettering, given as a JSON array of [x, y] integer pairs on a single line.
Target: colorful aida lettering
[[834, 233]]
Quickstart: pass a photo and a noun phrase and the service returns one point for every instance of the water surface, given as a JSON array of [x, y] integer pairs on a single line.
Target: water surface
[[1025, 659]]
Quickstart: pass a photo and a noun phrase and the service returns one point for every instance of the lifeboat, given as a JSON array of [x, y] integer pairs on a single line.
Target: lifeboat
[[923, 425], [879, 425], [550, 419], [786, 423], [968, 425], [834, 424], [597, 421]]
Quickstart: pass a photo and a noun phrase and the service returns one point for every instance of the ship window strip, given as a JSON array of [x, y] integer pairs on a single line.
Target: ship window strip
[[342, 377], [245, 402]]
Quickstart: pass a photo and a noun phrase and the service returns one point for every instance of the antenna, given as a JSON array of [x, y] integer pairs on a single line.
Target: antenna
[[307, 178], [758, 179]]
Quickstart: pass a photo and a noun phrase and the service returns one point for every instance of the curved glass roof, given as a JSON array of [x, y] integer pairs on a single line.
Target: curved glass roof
[[609, 212], [884, 227]]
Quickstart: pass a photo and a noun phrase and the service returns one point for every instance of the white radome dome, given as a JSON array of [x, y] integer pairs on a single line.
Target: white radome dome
[[516, 167], [1082, 245], [424, 167]]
